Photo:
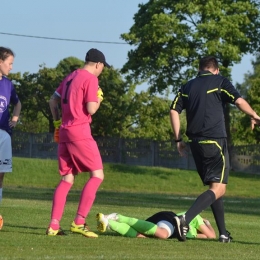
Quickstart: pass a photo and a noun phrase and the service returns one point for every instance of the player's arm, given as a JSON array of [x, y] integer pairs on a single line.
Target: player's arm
[[206, 230], [231, 95], [175, 123], [54, 106], [175, 109], [16, 114], [92, 107], [247, 109]]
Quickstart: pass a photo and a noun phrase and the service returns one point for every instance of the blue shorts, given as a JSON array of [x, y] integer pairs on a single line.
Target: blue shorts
[[5, 152]]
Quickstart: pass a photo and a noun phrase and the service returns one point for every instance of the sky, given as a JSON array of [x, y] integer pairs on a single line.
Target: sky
[[86, 22]]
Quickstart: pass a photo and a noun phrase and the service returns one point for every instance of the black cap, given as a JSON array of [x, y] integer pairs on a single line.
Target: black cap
[[95, 55]]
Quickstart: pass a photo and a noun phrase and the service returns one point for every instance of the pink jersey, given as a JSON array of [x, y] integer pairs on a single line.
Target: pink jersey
[[75, 91]]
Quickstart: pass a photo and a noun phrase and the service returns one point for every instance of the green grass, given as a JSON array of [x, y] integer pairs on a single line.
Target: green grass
[[130, 190]]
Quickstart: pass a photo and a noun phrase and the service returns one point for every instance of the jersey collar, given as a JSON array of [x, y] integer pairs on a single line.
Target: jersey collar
[[204, 73]]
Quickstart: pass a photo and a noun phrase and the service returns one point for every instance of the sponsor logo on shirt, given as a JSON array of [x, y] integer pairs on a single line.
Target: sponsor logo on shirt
[[3, 104]]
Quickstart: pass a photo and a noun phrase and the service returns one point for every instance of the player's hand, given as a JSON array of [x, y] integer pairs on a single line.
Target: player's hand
[[254, 122], [182, 149], [56, 135], [100, 94], [12, 124]]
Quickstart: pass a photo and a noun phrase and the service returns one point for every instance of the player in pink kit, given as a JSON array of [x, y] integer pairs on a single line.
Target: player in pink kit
[[79, 97]]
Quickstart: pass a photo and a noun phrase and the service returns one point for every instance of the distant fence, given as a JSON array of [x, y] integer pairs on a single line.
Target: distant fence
[[133, 152]]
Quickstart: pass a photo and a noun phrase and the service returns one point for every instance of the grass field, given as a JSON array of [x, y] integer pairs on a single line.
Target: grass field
[[130, 190]]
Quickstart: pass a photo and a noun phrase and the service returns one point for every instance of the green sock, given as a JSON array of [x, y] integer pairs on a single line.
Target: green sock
[[141, 226], [122, 228]]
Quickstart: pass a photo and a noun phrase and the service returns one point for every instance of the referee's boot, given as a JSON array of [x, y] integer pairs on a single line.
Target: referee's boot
[[181, 226], [225, 238]]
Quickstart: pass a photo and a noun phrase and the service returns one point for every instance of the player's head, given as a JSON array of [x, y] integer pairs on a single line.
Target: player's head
[[209, 63], [95, 61], [94, 55], [6, 60]]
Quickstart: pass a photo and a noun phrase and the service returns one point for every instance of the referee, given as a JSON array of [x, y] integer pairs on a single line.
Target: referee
[[204, 99]]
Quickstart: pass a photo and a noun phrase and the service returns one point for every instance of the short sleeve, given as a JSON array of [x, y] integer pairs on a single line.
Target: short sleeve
[[228, 92], [177, 103], [90, 90]]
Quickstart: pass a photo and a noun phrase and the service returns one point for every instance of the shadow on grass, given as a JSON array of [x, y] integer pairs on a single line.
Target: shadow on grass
[[247, 206], [141, 170], [26, 228], [148, 170]]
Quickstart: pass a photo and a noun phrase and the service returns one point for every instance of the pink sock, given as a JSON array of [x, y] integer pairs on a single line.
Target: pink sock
[[87, 198], [58, 204]]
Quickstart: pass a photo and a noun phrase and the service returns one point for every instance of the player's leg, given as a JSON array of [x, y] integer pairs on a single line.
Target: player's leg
[[219, 214], [164, 229], [133, 227], [218, 206], [6, 162], [61, 191], [1, 222], [5, 157], [206, 199], [126, 226], [208, 155], [142, 226], [86, 158], [2, 174], [122, 228]]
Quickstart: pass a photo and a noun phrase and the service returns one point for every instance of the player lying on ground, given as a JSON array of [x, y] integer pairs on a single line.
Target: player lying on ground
[[159, 225]]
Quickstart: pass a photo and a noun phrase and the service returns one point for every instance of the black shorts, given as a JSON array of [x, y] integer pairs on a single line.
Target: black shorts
[[163, 215], [211, 159]]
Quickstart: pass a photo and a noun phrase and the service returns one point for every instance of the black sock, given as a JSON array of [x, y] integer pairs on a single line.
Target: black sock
[[217, 208], [201, 203]]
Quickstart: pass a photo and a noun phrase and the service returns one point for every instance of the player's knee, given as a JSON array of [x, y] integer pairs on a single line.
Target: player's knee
[[98, 174]]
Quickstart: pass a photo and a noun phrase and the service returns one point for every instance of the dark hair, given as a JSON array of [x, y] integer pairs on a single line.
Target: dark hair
[[209, 62], [5, 53]]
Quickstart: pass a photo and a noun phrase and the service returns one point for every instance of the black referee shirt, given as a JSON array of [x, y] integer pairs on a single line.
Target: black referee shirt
[[204, 98]]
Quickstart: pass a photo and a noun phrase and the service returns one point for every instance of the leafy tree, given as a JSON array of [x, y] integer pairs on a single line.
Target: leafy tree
[[250, 90], [128, 114], [35, 90], [169, 37], [31, 119], [123, 112]]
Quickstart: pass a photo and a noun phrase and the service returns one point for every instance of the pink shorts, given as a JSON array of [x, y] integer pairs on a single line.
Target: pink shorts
[[79, 156]]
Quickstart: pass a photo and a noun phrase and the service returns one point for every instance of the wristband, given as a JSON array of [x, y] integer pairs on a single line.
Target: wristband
[[177, 141]]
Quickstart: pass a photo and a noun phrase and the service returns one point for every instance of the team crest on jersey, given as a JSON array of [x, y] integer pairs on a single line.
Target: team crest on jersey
[[3, 104]]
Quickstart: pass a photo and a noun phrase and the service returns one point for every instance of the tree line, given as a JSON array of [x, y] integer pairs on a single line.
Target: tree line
[[167, 38]]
